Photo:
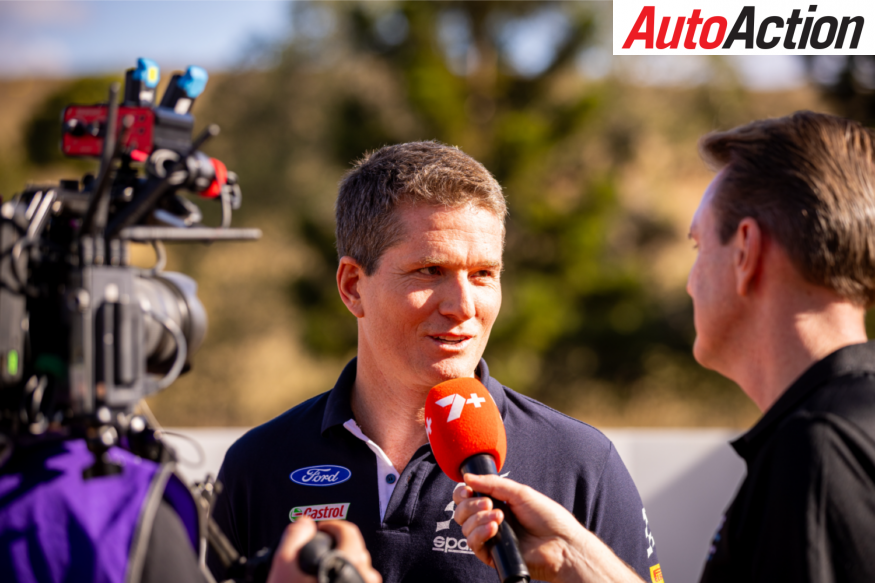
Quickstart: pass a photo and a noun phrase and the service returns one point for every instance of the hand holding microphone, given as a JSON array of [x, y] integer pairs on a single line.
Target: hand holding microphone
[[306, 554], [551, 539], [467, 437], [556, 547], [468, 440]]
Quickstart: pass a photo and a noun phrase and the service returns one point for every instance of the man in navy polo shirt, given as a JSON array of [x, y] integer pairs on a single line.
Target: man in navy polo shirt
[[420, 235]]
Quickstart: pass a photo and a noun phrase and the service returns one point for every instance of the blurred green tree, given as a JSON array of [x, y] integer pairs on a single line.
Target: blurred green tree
[[848, 82]]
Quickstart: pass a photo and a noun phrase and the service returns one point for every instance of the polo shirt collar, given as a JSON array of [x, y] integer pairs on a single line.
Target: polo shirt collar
[[850, 359], [338, 408], [494, 387]]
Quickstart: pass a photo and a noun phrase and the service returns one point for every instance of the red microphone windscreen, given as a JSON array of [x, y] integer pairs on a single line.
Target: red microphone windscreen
[[462, 420]]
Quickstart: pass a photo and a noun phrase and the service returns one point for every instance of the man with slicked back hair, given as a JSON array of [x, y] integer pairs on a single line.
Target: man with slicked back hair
[[784, 274]]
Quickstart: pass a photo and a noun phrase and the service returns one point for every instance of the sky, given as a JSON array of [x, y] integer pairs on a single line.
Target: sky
[[66, 38], [61, 38]]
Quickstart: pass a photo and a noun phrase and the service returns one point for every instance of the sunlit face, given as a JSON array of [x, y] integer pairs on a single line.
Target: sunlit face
[[430, 305], [711, 284]]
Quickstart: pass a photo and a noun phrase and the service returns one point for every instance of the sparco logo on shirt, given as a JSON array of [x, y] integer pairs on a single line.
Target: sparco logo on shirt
[[450, 544], [728, 27], [648, 534], [320, 475]]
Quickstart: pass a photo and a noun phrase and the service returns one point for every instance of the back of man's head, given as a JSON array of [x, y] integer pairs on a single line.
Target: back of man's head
[[809, 180], [415, 173]]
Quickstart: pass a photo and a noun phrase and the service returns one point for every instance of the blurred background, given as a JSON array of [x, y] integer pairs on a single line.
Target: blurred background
[[597, 155]]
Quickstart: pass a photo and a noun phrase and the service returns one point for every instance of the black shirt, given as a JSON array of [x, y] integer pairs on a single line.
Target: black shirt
[[307, 461], [806, 510]]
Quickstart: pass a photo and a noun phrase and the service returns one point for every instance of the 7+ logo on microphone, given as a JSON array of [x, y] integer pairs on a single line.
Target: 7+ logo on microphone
[[458, 403]]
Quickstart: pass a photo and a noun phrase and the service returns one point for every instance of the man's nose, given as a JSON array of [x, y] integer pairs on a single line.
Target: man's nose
[[458, 298]]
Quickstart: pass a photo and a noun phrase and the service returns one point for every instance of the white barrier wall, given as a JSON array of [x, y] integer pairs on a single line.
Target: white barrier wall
[[686, 477]]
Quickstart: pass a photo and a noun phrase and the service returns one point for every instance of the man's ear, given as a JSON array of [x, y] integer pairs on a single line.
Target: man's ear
[[747, 255], [349, 279]]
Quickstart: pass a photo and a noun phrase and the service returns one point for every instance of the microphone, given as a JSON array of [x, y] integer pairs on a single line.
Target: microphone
[[317, 558], [467, 435]]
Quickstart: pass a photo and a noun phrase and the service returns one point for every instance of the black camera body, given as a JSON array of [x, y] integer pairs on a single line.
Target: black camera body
[[85, 335]]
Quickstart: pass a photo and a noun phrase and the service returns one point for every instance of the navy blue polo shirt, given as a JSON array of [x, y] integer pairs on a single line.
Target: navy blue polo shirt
[[307, 462]]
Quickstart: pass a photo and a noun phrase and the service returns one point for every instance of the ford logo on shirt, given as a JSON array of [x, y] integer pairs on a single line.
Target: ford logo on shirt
[[320, 475]]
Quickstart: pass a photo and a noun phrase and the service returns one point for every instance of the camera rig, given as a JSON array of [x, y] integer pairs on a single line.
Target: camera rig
[[85, 335]]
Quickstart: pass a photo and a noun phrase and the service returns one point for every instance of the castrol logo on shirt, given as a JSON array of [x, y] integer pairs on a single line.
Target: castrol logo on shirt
[[320, 512], [326, 475]]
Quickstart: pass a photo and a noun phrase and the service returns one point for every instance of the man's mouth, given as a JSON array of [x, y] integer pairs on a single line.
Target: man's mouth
[[450, 338]]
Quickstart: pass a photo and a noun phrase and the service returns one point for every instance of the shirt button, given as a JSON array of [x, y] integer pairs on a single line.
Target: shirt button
[[390, 479]]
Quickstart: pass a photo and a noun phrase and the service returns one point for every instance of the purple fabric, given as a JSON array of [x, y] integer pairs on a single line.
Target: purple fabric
[[55, 526]]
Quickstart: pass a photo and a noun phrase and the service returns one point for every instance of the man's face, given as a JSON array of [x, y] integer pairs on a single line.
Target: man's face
[[711, 284], [430, 305]]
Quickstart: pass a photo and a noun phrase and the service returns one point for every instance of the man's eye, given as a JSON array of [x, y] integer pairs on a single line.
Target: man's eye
[[430, 270], [486, 273]]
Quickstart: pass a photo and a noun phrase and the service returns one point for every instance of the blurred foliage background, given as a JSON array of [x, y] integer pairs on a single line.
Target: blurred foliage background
[[601, 177]]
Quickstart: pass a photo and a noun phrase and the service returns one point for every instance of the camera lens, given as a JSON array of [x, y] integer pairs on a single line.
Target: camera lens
[[170, 296]]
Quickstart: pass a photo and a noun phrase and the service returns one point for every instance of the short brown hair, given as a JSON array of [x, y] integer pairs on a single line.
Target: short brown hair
[[809, 180], [413, 173]]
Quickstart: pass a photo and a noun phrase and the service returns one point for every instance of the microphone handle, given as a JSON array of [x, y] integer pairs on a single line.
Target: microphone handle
[[504, 546], [312, 553]]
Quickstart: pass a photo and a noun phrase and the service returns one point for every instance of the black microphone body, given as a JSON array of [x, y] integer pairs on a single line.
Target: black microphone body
[[317, 557], [504, 547]]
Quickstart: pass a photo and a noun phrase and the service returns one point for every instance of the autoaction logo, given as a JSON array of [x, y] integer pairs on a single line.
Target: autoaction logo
[[325, 475], [734, 28], [320, 512]]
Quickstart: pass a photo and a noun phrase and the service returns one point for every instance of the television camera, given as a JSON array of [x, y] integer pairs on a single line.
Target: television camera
[[84, 334]]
